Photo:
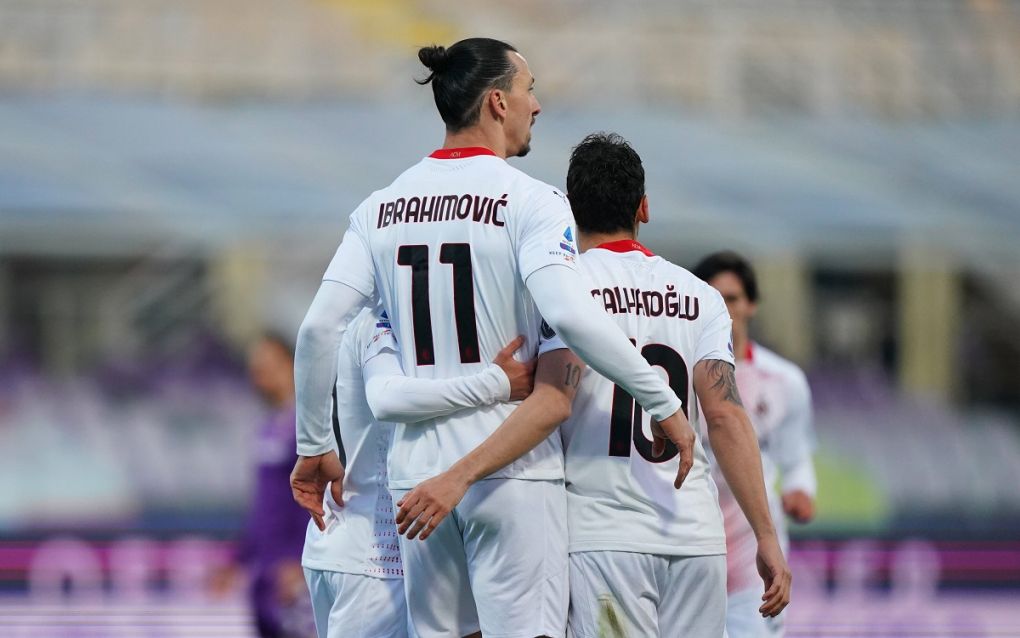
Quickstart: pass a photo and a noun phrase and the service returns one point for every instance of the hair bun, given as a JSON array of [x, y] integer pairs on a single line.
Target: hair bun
[[434, 57]]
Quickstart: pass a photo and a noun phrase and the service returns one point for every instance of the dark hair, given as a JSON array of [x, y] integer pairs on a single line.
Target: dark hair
[[462, 74], [729, 261], [605, 183]]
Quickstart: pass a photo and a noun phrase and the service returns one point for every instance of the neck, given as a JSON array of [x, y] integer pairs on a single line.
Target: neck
[[591, 240], [477, 136], [740, 341]]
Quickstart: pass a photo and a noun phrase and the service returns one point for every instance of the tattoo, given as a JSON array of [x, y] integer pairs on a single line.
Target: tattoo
[[722, 373], [573, 375]]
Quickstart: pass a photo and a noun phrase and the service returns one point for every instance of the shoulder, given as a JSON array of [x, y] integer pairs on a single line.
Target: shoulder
[[534, 191]]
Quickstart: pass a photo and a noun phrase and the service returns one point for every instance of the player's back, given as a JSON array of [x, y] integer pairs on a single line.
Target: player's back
[[620, 497], [452, 241], [363, 540]]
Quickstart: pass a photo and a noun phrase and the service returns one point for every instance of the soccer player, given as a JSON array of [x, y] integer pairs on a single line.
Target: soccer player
[[642, 555], [353, 567], [465, 253], [270, 548], [779, 404]]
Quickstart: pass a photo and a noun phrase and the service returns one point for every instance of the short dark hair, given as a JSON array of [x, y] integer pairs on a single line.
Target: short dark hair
[[605, 183], [462, 74], [729, 261]]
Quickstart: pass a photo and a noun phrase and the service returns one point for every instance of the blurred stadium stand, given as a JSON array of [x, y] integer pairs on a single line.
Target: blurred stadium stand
[[898, 59], [175, 174]]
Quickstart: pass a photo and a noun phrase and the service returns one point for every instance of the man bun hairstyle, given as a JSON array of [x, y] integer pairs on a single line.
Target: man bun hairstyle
[[462, 74], [434, 58], [605, 183], [731, 262]]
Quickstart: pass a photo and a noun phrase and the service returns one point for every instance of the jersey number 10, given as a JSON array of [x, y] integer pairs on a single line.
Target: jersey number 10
[[459, 256], [625, 422]]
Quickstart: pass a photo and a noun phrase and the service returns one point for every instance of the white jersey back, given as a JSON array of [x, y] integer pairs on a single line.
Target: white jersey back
[[452, 242], [777, 398], [364, 538], [621, 498]]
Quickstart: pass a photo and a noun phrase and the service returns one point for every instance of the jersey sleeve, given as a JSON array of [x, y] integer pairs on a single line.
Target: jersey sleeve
[[716, 340], [352, 263], [395, 397], [794, 439], [315, 363], [593, 336], [544, 232]]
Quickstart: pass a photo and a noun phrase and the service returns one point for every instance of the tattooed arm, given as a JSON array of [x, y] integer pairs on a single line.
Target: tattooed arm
[[556, 380], [736, 449]]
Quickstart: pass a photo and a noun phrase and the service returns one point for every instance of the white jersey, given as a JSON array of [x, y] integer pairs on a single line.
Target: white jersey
[[777, 398], [619, 497], [450, 244], [363, 539]]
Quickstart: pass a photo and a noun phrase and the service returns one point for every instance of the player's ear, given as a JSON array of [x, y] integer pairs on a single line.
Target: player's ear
[[496, 102], [642, 211]]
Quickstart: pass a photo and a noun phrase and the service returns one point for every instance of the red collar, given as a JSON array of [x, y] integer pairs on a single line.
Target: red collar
[[461, 153], [626, 246], [749, 351]]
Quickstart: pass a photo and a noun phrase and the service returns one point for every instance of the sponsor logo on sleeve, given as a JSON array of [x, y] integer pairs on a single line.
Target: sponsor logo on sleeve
[[567, 243], [383, 322]]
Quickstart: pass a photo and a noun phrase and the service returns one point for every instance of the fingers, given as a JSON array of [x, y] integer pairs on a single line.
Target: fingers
[[309, 501], [686, 449], [418, 519], [433, 524], [658, 439], [321, 524], [421, 523], [428, 522], [658, 446], [336, 489], [777, 596], [410, 506], [510, 348], [418, 516]]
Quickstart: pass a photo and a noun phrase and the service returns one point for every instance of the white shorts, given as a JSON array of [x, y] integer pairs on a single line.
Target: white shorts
[[357, 606], [743, 619], [616, 594], [497, 563]]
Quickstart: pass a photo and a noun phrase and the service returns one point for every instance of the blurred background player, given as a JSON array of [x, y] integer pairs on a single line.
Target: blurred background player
[[270, 547], [778, 400], [640, 551], [353, 566]]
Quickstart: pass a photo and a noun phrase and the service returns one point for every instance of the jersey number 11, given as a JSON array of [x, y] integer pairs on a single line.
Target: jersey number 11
[[459, 256]]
